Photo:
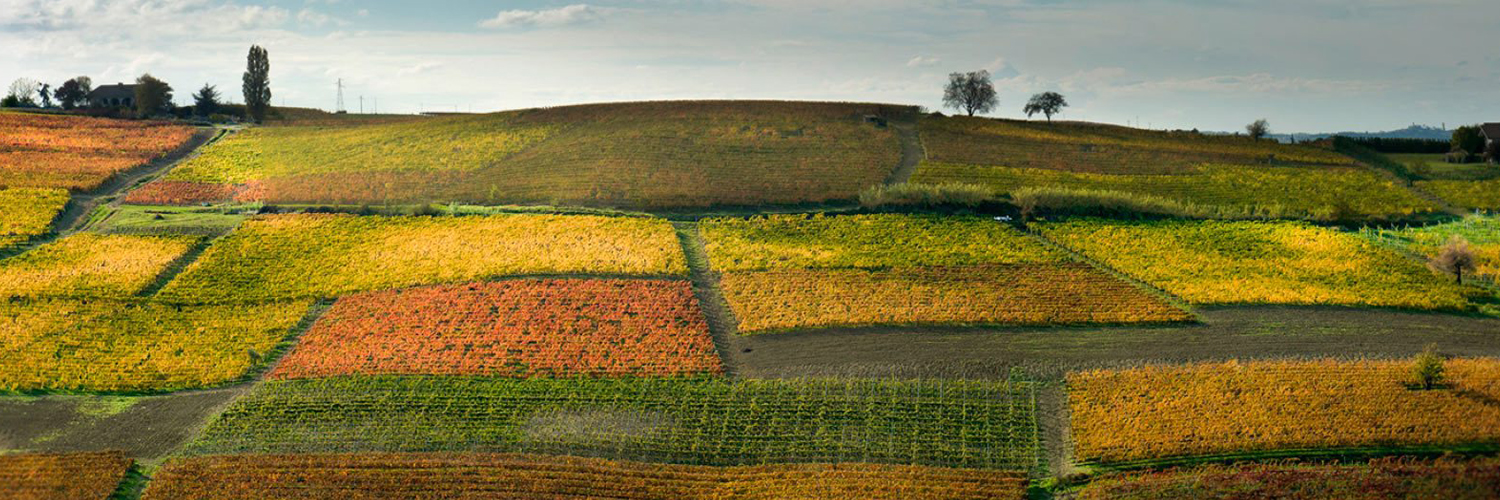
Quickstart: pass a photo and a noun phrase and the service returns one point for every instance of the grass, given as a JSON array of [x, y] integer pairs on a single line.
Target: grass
[[148, 219], [685, 421], [1221, 263], [1435, 167], [651, 154], [1481, 232], [1473, 195], [333, 476], [324, 256], [68, 345], [1159, 412]]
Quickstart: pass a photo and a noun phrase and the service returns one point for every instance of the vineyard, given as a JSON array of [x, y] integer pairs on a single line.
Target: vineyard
[[524, 328], [1378, 480], [28, 213], [1480, 232], [687, 421], [512, 476], [104, 345], [787, 272], [91, 265], [1237, 408], [1059, 294], [657, 154], [1216, 262], [1236, 191], [1101, 149], [78, 153], [1473, 195], [76, 476], [298, 256]]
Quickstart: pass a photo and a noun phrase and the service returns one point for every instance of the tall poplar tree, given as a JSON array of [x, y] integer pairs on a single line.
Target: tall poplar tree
[[257, 83]]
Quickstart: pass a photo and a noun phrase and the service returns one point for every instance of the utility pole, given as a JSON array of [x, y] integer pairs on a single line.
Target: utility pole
[[361, 104], [339, 107]]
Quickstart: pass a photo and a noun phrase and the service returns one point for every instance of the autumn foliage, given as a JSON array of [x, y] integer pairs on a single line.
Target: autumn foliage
[[91, 265], [1235, 408], [512, 328], [62, 476], [1380, 479], [518, 476], [28, 213], [78, 153]]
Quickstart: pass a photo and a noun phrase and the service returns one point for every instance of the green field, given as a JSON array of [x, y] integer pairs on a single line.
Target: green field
[[704, 421]]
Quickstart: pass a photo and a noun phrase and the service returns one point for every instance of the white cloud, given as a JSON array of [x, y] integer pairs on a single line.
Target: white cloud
[[1254, 83], [921, 61], [309, 17], [572, 14], [418, 68]]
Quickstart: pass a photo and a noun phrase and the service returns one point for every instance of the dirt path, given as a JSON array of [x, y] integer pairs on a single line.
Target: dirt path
[[83, 204], [912, 153], [721, 322], [147, 427]]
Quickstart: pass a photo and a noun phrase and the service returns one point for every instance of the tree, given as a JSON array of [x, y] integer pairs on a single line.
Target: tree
[[1469, 139], [1046, 103], [1428, 370], [971, 92], [71, 94], [152, 96], [206, 101], [45, 92], [85, 84], [21, 94], [1492, 151], [1258, 129], [1455, 258], [257, 83]]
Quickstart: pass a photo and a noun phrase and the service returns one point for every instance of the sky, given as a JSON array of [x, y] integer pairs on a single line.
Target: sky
[[1305, 65]]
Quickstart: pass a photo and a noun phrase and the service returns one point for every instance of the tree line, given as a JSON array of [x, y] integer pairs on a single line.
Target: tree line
[[152, 97]]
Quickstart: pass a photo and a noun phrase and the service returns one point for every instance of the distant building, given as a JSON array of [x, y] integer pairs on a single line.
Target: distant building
[[120, 95], [1491, 133]]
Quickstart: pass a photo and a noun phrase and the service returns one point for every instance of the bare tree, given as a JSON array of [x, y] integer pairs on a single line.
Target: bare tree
[[22, 93], [1046, 103], [1258, 129], [971, 92], [1455, 258]]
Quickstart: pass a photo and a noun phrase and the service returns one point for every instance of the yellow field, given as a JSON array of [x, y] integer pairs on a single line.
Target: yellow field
[[1483, 195], [1210, 409], [1052, 294], [297, 256], [1215, 262], [28, 213], [866, 242], [91, 265], [103, 345]]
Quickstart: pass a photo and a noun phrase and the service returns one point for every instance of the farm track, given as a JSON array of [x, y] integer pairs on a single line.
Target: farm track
[[721, 321], [912, 152], [83, 204]]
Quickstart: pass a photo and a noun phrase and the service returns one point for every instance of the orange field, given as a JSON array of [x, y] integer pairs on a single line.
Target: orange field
[[1236, 408], [74, 476], [518, 476], [1051, 294], [513, 328], [78, 153], [181, 193]]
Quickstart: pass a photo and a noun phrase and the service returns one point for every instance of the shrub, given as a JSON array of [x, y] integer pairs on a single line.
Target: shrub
[[948, 194], [1429, 368]]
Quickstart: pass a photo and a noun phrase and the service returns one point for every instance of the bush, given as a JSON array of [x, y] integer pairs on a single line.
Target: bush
[[925, 195], [1428, 371], [1064, 201]]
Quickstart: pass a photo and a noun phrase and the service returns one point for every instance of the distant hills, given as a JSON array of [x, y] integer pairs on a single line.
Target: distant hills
[[1412, 132]]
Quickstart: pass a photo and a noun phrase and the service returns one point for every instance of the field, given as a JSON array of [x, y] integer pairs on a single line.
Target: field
[[78, 153], [522, 328], [1434, 167], [77, 476], [1241, 408], [91, 265], [104, 345], [1377, 480], [1233, 175], [783, 273], [1482, 233], [297, 256], [661, 154], [1216, 262], [1061, 294], [687, 421], [1474, 195], [482, 475], [28, 213]]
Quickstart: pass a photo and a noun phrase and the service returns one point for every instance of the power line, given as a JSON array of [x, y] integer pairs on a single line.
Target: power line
[[339, 107]]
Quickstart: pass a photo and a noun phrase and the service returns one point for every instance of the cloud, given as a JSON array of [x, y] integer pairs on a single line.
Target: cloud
[[921, 61], [418, 68], [1255, 83], [1001, 69], [562, 16]]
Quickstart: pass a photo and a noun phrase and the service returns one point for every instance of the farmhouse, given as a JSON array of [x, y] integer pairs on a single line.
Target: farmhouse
[[112, 96]]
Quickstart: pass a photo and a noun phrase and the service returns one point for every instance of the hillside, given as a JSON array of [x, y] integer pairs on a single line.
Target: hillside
[[648, 154]]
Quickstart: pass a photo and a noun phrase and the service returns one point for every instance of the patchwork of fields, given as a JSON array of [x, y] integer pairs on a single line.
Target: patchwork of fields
[[569, 352]]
